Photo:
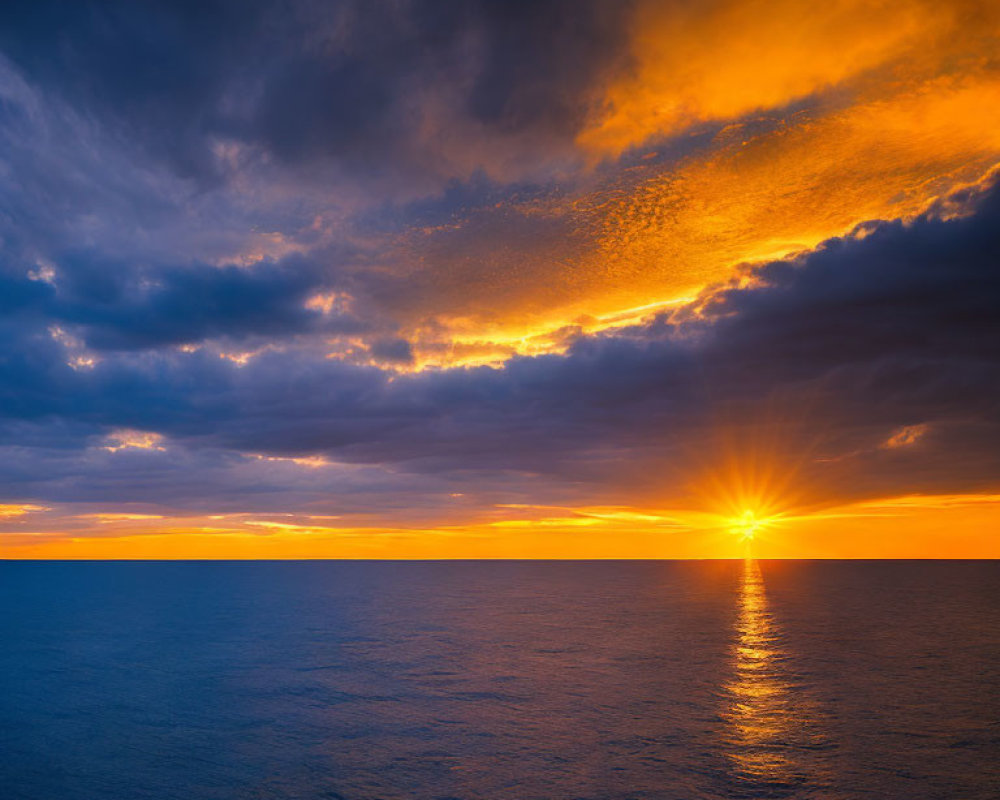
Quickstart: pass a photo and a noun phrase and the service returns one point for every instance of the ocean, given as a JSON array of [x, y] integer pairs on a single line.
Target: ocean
[[521, 680]]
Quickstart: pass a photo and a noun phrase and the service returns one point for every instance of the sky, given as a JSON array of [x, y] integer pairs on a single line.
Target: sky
[[499, 279]]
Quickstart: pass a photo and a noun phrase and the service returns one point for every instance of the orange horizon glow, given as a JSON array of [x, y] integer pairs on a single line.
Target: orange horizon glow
[[956, 526]]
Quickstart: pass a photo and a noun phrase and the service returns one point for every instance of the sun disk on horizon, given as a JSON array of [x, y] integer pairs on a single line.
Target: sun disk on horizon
[[748, 524]]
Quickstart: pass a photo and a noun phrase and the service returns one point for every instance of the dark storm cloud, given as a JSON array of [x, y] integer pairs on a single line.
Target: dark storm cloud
[[123, 255], [115, 306], [193, 303], [392, 351], [144, 144], [369, 85], [833, 352]]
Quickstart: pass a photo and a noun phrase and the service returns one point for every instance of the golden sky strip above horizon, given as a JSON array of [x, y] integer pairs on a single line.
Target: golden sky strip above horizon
[[868, 529]]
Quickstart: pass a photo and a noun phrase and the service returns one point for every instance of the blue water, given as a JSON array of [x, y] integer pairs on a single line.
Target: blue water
[[518, 680]]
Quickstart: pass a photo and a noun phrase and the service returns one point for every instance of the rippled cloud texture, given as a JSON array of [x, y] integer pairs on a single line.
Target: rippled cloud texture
[[472, 279]]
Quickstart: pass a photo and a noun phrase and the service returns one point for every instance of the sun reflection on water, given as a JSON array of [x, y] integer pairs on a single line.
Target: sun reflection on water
[[763, 721]]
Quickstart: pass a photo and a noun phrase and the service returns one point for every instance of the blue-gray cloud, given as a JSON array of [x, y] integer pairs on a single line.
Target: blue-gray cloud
[[353, 82], [195, 173], [832, 352]]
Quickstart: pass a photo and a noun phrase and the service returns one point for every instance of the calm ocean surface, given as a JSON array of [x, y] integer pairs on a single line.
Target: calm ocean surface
[[521, 680]]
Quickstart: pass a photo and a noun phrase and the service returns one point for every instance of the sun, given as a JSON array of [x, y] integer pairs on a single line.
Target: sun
[[748, 524]]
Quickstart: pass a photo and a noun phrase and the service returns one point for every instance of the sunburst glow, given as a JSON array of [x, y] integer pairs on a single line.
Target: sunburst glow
[[748, 524]]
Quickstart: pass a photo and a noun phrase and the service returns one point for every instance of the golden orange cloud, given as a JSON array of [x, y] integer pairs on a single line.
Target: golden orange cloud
[[13, 510], [905, 436], [125, 439], [896, 106], [722, 60]]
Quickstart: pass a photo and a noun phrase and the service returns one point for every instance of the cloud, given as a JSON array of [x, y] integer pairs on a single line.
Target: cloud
[[426, 162], [121, 308], [414, 89], [906, 436], [816, 361], [724, 60], [257, 239]]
